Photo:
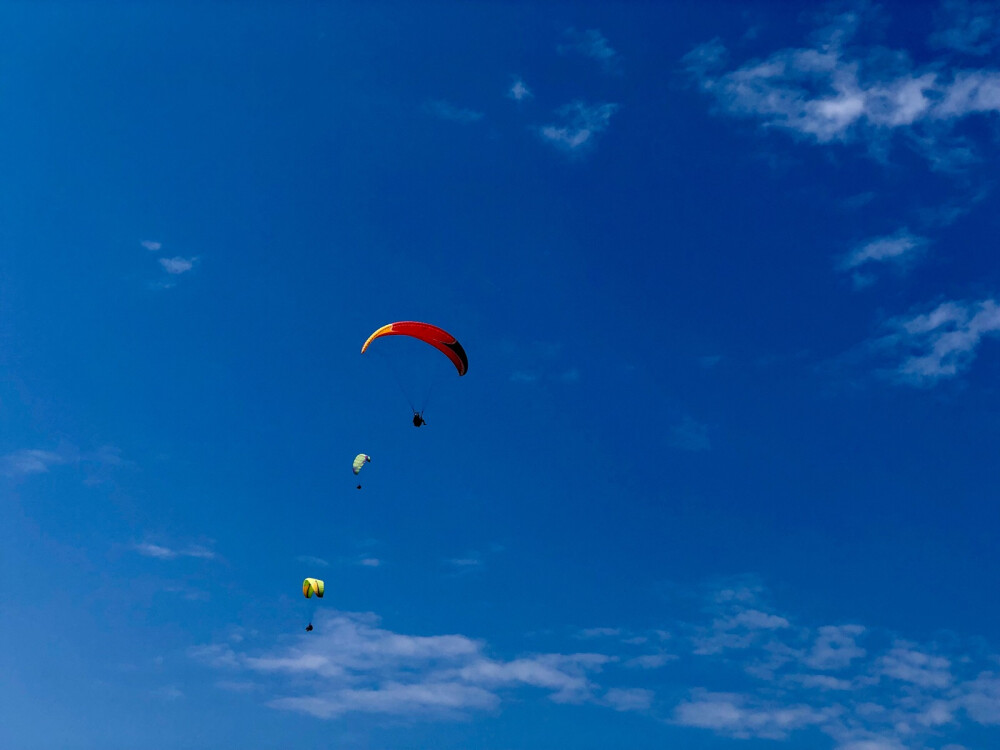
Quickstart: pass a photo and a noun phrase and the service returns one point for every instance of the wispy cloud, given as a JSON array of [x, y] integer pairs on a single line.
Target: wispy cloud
[[599, 632], [177, 265], [370, 562], [631, 699], [317, 562], [590, 43], [519, 91], [651, 661], [541, 362], [893, 248], [98, 464], [237, 686], [467, 564], [884, 691], [522, 376], [580, 124], [711, 360], [744, 717], [160, 552], [448, 111], [168, 693], [899, 250], [760, 673], [151, 246], [186, 592], [835, 647], [939, 344], [351, 665], [690, 435], [905, 662], [29, 461], [837, 90], [972, 28]]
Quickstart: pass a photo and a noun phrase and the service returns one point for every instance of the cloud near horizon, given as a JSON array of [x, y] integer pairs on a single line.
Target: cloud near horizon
[[740, 669], [351, 665]]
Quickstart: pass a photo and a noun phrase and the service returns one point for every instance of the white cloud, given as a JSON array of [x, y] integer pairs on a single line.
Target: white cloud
[[318, 562], [581, 122], [168, 692], [972, 28], [177, 265], [147, 549], [519, 91], [981, 698], [691, 435], [151, 246], [590, 43], [743, 628], [29, 461], [370, 562], [835, 647], [349, 664], [820, 681], [599, 632], [882, 697], [650, 661], [904, 662], [631, 699], [894, 248], [740, 716], [448, 111], [872, 744], [902, 695], [942, 343], [836, 91], [97, 464], [392, 698]]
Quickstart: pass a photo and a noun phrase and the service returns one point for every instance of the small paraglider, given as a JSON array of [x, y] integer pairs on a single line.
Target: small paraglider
[[418, 419], [360, 460], [312, 587]]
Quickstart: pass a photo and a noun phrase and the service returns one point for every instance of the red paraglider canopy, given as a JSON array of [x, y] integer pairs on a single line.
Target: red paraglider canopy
[[436, 337]]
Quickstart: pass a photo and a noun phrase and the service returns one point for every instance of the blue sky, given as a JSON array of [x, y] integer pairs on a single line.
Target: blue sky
[[722, 473]]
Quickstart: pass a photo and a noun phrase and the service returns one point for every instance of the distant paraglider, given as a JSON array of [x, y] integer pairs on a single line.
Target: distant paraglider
[[360, 460], [312, 587]]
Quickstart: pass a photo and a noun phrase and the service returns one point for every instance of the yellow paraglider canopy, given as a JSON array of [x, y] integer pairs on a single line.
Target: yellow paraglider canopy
[[312, 586]]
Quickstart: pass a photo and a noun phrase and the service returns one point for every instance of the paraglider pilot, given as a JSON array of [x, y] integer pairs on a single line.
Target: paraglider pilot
[[418, 419]]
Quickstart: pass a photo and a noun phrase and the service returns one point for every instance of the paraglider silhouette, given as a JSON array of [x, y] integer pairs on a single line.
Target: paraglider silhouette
[[360, 460]]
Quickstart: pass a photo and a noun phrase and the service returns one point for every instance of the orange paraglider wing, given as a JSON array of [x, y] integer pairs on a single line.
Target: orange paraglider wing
[[440, 339]]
